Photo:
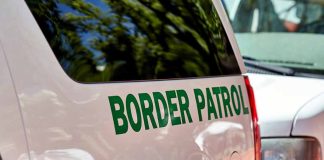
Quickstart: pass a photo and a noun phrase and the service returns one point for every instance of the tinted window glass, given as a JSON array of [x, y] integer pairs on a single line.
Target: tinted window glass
[[109, 40]]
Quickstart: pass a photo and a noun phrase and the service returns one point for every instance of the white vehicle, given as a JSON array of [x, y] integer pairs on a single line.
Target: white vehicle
[[119, 80], [282, 43]]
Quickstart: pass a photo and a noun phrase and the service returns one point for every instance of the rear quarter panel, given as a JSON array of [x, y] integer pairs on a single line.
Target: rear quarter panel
[[308, 121]]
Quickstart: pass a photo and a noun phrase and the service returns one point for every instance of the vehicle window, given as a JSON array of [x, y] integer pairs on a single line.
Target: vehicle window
[[288, 33], [110, 40], [276, 15]]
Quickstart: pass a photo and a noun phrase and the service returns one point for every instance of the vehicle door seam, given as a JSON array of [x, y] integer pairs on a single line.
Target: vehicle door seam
[[17, 98]]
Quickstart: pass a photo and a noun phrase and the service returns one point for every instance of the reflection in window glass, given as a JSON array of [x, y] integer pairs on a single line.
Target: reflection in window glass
[[109, 40]]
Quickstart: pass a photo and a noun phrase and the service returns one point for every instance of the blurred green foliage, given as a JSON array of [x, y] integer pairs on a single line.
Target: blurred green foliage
[[110, 40]]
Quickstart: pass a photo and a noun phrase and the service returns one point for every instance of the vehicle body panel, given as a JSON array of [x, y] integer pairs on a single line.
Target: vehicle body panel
[[279, 98], [65, 119], [311, 113], [12, 136]]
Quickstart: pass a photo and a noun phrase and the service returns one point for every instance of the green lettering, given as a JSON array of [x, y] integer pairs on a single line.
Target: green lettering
[[184, 106], [147, 111], [130, 99], [245, 109], [216, 92], [211, 105], [235, 97], [200, 100], [226, 101], [172, 107], [118, 114], [159, 97]]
